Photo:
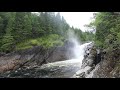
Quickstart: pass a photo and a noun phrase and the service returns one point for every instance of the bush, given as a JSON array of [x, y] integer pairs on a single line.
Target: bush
[[98, 44], [34, 42], [46, 41]]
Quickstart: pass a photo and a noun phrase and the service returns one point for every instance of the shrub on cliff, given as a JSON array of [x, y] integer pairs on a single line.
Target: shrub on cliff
[[45, 41]]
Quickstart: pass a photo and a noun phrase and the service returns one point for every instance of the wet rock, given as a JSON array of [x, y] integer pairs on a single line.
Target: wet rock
[[61, 69], [81, 75], [35, 56], [2, 54], [109, 67], [91, 59]]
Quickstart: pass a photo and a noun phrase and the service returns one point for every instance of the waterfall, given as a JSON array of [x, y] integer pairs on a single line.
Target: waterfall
[[78, 48], [59, 69], [67, 68]]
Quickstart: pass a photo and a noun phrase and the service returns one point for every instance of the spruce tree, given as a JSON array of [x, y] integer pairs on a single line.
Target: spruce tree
[[8, 40]]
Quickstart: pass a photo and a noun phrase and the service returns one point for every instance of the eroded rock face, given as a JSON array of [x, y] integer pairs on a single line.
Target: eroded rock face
[[34, 56], [60, 69], [100, 64], [109, 67], [91, 59]]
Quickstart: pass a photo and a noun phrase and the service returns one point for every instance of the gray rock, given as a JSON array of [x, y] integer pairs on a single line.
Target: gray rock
[[89, 62], [35, 56]]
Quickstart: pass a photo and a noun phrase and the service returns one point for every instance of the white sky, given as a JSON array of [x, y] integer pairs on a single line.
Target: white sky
[[78, 19]]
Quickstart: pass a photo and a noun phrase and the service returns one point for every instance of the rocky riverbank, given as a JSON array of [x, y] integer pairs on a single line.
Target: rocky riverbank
[[35, 56], [109, 67], [32, 67], [29, 63], [60, 69], [90, 62], [100, 64]]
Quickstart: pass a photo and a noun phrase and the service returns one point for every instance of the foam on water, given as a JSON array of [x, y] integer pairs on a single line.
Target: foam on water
[[78, 49]]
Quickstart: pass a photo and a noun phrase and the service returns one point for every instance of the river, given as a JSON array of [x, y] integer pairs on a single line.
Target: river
[[59, 69], [64, 69]]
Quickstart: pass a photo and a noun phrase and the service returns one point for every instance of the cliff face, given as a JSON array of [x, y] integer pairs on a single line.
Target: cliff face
[[90, 61], [100, 64], [109, 67], [96, 63], [34, 56]]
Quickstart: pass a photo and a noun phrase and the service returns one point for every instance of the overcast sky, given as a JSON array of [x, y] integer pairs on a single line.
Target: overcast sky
[[77, 19]]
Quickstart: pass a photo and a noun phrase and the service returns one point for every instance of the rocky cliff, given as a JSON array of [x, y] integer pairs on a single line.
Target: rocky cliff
[[27, 63], [34, 56], [91, 59], [100, 64], [109, 67]]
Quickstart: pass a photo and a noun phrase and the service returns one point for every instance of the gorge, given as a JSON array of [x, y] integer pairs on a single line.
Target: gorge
[[44, 45], [61, 62]]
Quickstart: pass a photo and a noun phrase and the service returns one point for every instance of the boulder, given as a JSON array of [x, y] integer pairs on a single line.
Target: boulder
[[92, 57]]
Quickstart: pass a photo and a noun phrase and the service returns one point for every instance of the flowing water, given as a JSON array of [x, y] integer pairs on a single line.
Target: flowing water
[[67, 68], [60, 69]]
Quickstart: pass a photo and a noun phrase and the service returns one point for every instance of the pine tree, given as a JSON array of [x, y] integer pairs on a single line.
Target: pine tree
[[8, 40], [58, 24], [22, 26], [27, 30], [1, 30], [37, 30]]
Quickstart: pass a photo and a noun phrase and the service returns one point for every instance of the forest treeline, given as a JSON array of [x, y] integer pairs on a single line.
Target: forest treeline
[[21, 30], [107, 25]]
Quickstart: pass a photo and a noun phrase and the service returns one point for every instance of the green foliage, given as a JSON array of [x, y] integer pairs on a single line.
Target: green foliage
[[34, 42], [107, 34], [22, 30], [22, 26], [99, 44], [83, 36], [19, 29], [118, 37], [7, 43], [47, 42], [50, 41]]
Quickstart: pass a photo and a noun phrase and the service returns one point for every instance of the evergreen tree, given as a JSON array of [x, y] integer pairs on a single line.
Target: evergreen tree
[[8, 40], [38, 25], [107, 29], [27, 30], [22, 26], [18, 27], [1, 30]]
